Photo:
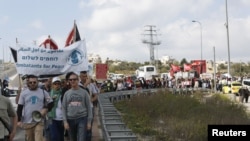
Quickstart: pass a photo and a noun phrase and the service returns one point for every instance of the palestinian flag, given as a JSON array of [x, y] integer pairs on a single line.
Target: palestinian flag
[[73, 36]]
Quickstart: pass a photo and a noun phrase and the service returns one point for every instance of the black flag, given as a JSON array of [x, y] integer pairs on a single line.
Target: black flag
[[14, 54]]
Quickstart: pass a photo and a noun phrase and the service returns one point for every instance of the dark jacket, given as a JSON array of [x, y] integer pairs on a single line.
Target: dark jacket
[[244, 92]]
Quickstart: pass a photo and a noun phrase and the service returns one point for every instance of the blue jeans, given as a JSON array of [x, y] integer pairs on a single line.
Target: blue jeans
[[89, 132], [56, 130], [78, 129], [46, 132]]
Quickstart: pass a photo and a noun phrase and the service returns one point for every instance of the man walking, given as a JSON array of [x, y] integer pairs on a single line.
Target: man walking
[[7, 118], [244, 94], [87, 84], [33, 99]]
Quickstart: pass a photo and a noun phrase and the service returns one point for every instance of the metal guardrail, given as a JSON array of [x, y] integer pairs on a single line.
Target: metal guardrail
[[184, 91], [114, 129]]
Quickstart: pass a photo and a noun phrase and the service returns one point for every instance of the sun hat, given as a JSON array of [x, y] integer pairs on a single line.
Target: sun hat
[[56, 79]]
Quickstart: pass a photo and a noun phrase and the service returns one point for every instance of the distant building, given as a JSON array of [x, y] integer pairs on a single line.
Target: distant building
[[165, 59], [221, 62], [210, 66], [116, 62], [94, 58]]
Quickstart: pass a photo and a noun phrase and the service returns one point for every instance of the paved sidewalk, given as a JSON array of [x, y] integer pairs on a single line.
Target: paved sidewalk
[[96, 129]]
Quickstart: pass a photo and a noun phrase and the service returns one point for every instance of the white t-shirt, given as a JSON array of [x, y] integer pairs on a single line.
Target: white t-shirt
[[33, 101], [59, 115], [119, 86]]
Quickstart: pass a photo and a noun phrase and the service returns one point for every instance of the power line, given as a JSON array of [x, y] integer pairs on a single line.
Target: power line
[[151, 32]]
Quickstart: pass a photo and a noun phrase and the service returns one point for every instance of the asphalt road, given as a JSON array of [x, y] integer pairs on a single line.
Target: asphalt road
[[20, 135], [9, 69]]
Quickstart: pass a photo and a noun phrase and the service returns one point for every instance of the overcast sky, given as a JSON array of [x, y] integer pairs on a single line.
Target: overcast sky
[[115, 28]]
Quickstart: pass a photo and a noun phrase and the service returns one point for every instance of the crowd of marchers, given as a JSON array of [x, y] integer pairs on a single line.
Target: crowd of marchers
[[65, 108], [221, 84]]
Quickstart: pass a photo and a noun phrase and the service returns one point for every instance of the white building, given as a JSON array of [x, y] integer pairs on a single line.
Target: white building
[[210, 66], [94, 58], [165, 59]]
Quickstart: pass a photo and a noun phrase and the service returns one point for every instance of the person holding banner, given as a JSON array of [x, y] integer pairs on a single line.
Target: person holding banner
[[33, 100], [22, 86]]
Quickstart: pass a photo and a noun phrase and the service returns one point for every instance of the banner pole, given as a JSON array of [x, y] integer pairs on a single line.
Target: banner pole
[[19, 81]]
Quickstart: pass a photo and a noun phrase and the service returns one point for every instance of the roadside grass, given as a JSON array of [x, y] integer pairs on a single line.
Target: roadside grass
[[168, 117]]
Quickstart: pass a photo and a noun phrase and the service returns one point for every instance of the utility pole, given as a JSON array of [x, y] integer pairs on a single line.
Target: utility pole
[[214, 71], [2, 63], [3, 54], [151, 32], [228, 47], [201, 34]]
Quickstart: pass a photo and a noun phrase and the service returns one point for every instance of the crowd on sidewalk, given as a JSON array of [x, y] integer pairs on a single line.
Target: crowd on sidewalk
[[67, 105], [65, 108]]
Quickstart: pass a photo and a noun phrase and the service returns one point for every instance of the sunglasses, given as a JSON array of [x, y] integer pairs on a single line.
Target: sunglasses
[[32, 82], [57, 83], [73, 79]]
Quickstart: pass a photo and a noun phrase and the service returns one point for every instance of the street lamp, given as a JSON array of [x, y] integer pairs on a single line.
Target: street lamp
[[240, 67], [201, 34], [3, 54]]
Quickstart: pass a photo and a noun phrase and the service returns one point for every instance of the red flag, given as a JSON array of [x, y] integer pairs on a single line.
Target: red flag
[[49, 43], [171, 72], [73, 36], [187, 67], [196, 63], [175, 68]]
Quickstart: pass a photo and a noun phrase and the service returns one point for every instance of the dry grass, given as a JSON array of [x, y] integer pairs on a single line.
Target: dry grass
[[165, 116]]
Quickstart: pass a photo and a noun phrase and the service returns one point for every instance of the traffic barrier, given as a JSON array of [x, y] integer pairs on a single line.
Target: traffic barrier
[[113, 127], [185, 91], [118, 132]]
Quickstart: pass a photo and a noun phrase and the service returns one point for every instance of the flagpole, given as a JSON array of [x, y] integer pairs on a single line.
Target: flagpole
[[19, 81], [74, 37], [49, 43], [19, 75]]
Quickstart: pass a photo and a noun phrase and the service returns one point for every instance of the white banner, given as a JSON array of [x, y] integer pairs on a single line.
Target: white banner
[[41, 61]]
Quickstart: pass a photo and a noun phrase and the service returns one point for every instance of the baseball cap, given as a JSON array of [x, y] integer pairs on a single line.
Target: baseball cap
[[56, 79]]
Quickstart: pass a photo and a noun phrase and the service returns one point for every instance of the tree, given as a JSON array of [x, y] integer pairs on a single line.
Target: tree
[[183, 61], [146, 63], [222, 67]]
